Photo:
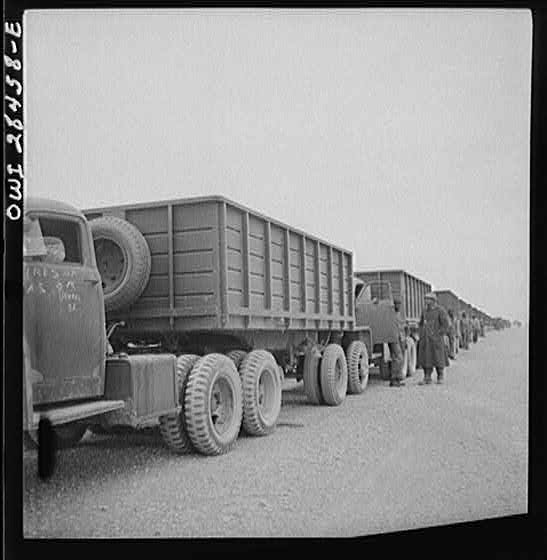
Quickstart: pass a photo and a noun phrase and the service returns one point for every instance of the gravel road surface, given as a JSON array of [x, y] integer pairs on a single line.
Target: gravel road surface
[[386, 460]]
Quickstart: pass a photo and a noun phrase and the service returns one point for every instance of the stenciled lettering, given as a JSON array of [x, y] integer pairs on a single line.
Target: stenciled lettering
[[13, 104], [14, 83], [15, 170], [15, 190], [15, 123], [12, 63], [13, 29], [16, 140], [13, 212]]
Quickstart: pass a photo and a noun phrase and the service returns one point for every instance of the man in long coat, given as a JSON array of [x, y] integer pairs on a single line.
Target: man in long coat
[[397, 348], [432, 353], [465, 331], [458, 332], [451, 335], [476, 329]]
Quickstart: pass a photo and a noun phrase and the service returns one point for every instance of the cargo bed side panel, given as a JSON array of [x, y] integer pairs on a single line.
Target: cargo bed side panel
[[219, 265], [279, 279]]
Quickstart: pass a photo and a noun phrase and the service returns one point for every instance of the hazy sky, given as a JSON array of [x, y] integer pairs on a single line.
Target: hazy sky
[[400, 135]]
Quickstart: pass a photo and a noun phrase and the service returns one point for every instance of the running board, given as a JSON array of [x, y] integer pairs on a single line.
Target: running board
[[66, 414]]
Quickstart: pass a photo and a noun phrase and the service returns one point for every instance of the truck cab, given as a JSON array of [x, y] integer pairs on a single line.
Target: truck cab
[[374, 309], [63, 309], [64, 335]]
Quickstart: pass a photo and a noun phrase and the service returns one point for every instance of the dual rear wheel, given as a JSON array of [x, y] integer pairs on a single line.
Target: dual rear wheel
[[217, 400], [329, 376]]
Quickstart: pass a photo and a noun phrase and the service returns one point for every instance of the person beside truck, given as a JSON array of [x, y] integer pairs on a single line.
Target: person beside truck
[[476, 328], [457, 332], [397, 349], [434, 325], [451, 335], [465, 331]]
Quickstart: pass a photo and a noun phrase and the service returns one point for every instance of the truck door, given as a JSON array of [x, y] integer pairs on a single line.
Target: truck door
[[374, 309], [63, 313]]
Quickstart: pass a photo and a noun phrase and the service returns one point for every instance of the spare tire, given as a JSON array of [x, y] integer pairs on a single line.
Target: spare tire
[[123, 260]]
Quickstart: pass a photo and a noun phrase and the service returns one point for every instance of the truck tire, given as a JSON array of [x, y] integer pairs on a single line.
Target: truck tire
[[237, 356], [173, 426], [334, 375], [123, 259], [312, 387], [261, 384], [357, 359], [411, 349], [213, 404]]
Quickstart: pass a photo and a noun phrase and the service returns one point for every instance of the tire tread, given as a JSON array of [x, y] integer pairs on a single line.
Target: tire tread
[[250, 367], [355, 350], [142, 261], [332, 353], [173, 426], [311, 377], [197, 408]]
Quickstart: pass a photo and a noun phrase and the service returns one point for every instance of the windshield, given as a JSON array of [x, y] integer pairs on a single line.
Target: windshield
[[52, 240], [377, 291]]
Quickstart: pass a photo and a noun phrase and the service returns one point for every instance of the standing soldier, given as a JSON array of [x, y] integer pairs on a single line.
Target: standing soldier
[[465, 331], [475, 327], [431, 350], [397, 349], [451, 335], [458, 333]]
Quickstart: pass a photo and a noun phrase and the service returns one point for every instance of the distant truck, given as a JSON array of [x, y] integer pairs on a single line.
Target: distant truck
[[448, 300], [380, 288], [185, 314], [487, 322], [500, 323]]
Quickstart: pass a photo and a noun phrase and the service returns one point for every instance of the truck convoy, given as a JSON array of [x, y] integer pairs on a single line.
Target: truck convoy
[[187, 315], [449, 300]]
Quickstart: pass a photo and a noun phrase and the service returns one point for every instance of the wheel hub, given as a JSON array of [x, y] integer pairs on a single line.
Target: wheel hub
[[266, 392], [221, 405], [111, 262]]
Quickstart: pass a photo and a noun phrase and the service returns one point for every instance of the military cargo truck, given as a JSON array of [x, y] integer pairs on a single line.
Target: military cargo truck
[[381, 287], [448, 300], [185, 314]]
